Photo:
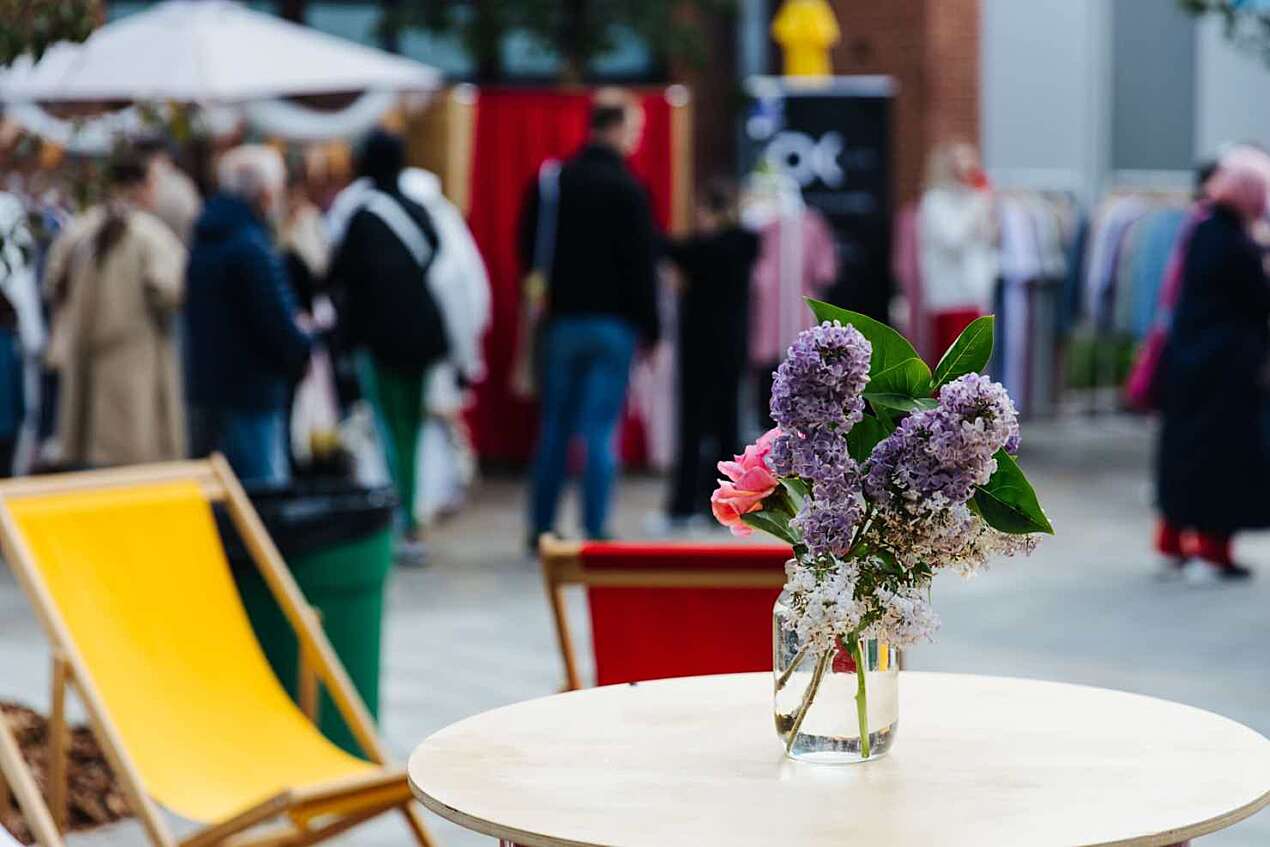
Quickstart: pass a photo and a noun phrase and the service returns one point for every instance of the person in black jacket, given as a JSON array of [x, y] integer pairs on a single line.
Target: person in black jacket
[[1212, 462], [601, 303], [715, 265], [379, 280], [244, 343]]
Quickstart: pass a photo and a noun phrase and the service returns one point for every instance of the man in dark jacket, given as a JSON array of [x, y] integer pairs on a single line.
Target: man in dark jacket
[[379, 279], [244, 344], [601, 302]]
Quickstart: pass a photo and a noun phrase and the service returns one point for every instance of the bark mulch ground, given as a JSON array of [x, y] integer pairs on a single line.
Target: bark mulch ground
[[93, 796]]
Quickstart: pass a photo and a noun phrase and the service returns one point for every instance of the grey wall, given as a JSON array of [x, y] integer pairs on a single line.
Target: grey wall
[[1044, 91], [1232, 93], [1153, 86]]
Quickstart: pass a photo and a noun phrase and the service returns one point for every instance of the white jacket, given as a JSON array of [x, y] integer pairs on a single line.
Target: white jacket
[[457, 277], [957, 238]]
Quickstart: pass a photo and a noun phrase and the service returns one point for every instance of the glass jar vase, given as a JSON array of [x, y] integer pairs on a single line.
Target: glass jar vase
[[823, 707]]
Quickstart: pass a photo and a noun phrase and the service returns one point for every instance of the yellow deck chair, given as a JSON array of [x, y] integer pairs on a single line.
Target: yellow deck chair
[[126, 571]]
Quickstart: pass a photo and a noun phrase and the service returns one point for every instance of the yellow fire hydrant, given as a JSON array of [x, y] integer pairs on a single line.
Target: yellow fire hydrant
[[805, 31]]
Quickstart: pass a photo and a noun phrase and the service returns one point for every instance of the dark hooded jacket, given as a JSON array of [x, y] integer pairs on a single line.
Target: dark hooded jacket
[[243, 346]]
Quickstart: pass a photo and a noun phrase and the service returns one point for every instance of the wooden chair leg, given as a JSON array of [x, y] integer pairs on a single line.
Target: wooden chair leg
[[17, 775], [414, 820], [555, 594], [307, 688], [58, 744]]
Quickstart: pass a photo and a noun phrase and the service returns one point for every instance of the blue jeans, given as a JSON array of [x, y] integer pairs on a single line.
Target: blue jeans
[[254, 443], [586, 364]]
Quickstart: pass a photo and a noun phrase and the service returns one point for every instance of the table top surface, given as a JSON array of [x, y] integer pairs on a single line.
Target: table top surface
[[982, 761]]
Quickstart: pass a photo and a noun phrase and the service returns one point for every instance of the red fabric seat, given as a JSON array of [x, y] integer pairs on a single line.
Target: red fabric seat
[[640, 633]]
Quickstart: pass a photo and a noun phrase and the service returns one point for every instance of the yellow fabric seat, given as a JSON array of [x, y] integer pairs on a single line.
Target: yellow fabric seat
[[142, 583]]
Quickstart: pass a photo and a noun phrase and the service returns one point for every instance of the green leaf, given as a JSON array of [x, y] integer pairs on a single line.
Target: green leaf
[[910, 377], [970, 353], [899, 402], [774, 524], [864, 436], [889, 347], [1008, 503], [797, 489]]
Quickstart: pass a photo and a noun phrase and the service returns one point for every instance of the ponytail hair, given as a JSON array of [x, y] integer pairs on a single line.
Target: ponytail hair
[[127, 170]]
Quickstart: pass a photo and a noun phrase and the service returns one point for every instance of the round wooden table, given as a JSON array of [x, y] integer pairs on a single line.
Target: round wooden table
[[982, 761]]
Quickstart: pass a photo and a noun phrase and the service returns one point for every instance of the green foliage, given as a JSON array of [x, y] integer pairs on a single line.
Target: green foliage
[[910, 378], [889, 347], [1008, 502], [32, 26], [970, 353], [864, 436], [1247, 24]]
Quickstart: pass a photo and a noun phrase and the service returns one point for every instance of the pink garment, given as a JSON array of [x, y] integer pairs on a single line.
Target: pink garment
[[906, 267], [1141, 389], [797, 259]]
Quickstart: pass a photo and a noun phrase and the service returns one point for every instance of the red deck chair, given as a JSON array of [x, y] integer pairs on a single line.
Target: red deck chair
[[665, 610]]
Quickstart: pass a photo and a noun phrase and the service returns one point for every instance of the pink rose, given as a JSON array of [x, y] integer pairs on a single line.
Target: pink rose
[[749, 482]]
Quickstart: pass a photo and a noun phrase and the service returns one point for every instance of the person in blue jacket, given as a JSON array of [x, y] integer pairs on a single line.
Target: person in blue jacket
[[244, 341]]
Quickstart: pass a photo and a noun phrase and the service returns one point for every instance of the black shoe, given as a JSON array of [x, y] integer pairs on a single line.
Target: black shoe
[[1203, 572]]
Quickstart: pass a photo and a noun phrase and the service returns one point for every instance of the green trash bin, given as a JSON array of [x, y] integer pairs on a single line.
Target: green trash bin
[[337, 540]]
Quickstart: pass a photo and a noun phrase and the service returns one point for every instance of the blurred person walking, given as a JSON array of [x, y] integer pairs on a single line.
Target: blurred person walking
[[245, 344], [114, 279], [1213, 455], [600, 303], [716, 265], [957, 231], [379, 279], [174, 196]]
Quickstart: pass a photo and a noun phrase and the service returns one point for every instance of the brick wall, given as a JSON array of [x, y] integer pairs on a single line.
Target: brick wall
[[931, 47]]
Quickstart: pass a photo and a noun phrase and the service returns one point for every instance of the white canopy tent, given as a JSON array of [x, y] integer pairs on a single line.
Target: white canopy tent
[[211, 51], [217, 54]]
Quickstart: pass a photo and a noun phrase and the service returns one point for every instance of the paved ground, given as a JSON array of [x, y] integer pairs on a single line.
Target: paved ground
[[471, 631]]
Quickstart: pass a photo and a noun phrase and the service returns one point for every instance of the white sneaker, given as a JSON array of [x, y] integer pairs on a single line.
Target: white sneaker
[[1199, 573]]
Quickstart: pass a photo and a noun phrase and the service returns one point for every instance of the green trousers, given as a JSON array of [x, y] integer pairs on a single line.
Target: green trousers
[[398, 402]]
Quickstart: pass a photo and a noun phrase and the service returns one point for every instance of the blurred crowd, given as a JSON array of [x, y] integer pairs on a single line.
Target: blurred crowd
[[310, 327], [156, 324]]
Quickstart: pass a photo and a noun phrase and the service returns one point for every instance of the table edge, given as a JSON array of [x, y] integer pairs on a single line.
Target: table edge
[[524, 838], [1168, 838]]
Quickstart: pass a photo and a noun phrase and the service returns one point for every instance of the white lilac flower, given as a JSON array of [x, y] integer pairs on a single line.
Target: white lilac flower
[[905, 617]]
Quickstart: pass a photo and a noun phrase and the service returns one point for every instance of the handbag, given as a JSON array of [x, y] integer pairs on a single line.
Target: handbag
[[523, 379], [1142, 389]]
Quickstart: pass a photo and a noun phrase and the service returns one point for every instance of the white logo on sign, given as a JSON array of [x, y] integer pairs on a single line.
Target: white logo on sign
[[806, 159]]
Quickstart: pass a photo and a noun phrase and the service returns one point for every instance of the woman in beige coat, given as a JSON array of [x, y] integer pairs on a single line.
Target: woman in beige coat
[[116, 280]]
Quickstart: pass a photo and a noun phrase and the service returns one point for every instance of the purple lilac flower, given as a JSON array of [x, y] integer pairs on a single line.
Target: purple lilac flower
[[945, 451], [820, 382], [829, 517]]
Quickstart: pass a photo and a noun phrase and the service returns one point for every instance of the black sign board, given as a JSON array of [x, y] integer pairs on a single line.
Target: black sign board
[[833, 137]]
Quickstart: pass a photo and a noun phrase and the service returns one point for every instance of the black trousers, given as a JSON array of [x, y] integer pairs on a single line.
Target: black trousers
[[709, 396]]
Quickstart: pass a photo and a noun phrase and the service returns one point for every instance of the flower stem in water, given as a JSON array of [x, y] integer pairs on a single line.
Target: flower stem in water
[[808, 696], [783, 680], [861, 696]]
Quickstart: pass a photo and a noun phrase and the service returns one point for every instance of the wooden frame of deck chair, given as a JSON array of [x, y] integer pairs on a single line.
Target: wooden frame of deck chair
[[334, 791], [563, 565]]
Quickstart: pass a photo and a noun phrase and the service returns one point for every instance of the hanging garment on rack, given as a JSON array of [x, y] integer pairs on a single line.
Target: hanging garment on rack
[[1116, 216], [797, 259], [1157, 234]]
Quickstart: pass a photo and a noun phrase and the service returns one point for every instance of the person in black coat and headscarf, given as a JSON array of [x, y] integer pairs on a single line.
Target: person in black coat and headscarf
[[1213, 458]]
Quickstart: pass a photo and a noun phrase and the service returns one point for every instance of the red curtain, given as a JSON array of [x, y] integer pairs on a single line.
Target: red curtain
[[516, 130]]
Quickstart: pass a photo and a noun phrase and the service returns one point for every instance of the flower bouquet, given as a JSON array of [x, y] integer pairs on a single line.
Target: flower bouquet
[[878, 474]]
